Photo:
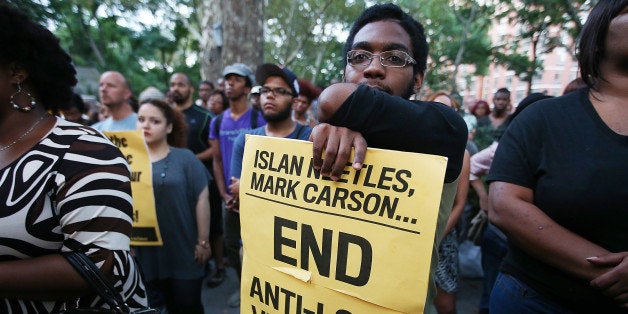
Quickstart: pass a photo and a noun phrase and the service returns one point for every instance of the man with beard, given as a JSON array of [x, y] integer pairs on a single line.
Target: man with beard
[[277, 93], [385, 61], [115, 93], [198, 119], [224, 129]]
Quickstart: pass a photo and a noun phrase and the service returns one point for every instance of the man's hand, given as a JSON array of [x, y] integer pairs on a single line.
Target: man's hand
[[337, 143], [202, 253], [613, 283], [234, 202], [234, 187]]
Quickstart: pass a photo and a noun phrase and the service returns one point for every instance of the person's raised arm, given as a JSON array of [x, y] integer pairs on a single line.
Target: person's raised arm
[[332, 98], [336, 142]]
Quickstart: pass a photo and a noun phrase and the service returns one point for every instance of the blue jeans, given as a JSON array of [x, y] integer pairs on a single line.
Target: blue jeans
[[511, 295], [494, 249]]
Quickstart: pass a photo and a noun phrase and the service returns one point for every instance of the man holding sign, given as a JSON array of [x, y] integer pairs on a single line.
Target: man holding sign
[[386, 56], [279, 88], [278, 91]]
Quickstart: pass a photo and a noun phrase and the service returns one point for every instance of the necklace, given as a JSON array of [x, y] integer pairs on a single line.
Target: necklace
[[24, 134]]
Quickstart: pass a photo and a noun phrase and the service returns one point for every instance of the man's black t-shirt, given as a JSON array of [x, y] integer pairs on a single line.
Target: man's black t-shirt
[[395, 123], [198, 119]]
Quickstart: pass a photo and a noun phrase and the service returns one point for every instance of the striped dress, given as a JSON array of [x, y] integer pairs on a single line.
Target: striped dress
[[71, 191]]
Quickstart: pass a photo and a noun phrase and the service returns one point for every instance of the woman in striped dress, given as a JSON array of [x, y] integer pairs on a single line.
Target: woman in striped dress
[[63, 186]]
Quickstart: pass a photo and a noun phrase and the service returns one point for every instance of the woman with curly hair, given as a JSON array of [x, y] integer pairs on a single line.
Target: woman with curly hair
[[175, 271], [63, 186]]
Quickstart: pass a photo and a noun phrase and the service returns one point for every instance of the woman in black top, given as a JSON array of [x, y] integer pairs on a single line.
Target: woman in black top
[[558, 187]]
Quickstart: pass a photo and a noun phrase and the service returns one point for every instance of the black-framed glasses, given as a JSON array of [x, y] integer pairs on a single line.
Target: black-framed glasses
[[390, 58], [276, 91]]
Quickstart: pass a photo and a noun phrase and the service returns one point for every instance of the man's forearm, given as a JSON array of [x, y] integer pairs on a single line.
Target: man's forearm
[[332, 98]]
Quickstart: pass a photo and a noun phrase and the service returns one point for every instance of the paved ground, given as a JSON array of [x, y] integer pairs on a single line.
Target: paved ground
[[215, 299]]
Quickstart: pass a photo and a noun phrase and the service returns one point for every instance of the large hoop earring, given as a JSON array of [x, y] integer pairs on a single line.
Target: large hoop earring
[[31, 104]]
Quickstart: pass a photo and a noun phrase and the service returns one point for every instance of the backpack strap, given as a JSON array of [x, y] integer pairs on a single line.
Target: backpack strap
[[218, 121], [254, 114]]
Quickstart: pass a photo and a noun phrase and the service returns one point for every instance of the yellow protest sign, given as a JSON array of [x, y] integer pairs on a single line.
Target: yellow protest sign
[[362, 244], [132, 145]]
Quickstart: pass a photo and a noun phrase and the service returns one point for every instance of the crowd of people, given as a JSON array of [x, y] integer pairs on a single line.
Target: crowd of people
[[549, 180]]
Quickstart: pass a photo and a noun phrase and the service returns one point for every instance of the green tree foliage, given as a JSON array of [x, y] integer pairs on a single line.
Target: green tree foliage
[[305, 35], [457, 33], [308, 35], [109, 35], [543, 25]]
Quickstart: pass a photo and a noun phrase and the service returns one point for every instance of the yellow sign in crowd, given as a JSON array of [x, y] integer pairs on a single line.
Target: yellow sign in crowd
[[132, 145], [362, 244]]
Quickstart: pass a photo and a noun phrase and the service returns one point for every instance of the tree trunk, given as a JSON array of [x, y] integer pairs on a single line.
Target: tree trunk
[[535, 42], [210, 16], [90, 39], [242, 32], [462, 47]]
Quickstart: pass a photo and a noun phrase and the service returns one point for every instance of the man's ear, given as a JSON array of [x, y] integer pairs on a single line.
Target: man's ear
[[127, 94], [418, 81]]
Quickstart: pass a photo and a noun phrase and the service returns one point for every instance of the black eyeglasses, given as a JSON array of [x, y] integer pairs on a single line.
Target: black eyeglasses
[[276, 91], [391, 58]]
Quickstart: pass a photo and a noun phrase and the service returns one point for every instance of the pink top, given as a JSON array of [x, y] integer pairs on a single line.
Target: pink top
[[481, 162]]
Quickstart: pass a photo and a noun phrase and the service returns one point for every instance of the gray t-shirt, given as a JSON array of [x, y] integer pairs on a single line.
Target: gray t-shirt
[[178, 180], [109, 124]]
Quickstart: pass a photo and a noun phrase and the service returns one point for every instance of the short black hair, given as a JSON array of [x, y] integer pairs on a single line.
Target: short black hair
[[503, 90], [389, 11], [78, 103], [225, 100], [591, 48], [206, 82], [30, 46], [187, 77]]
